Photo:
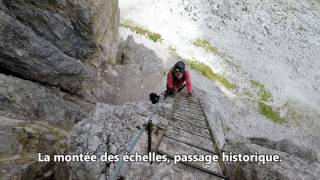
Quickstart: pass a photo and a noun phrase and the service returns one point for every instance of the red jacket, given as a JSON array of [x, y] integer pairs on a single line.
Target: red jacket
[[177, 84]]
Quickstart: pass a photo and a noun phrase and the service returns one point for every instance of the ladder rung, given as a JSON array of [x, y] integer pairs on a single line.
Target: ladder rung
[[190, 131], [191, 116], [189, 107], [190, 110], [204, 127], [189, 101], [189, 104], [190, 144]]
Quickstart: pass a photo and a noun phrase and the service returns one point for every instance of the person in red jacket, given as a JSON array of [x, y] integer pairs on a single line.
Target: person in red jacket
[[177, 78]]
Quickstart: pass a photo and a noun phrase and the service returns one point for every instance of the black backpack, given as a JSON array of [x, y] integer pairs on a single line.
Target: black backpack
[[154, 98]]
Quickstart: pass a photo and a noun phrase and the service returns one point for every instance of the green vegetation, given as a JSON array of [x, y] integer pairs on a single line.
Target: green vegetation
[[267, 111], [264, 109], [204, 44], [264, 94], [256, 83], [151, 35], [206, 71]]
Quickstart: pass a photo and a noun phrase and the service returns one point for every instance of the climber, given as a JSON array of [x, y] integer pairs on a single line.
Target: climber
[[177, 78]]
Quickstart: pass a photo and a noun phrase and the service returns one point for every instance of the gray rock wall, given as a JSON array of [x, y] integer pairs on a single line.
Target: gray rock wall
[[35, 119], [52, 53], [110, 130], [59, 43], [26, 100]]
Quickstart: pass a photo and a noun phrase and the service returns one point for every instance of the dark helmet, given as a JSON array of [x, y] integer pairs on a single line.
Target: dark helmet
[[180, 66]]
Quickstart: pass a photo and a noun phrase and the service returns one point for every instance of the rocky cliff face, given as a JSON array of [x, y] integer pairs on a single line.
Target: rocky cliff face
[[59, 43], [273, 42], [34, 119], [52, 53]]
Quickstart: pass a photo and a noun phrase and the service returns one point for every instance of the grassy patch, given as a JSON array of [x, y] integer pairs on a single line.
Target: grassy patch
[[151, 35], [264, 94], [204, 69], [207, 72], [204, 44], [208, 47], [267, 111], [257, 84]]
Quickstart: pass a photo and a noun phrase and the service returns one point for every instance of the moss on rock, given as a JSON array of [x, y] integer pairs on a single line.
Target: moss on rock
[[155, 37], [206, 71], [269, 113], [264, 94], [205, 44]]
